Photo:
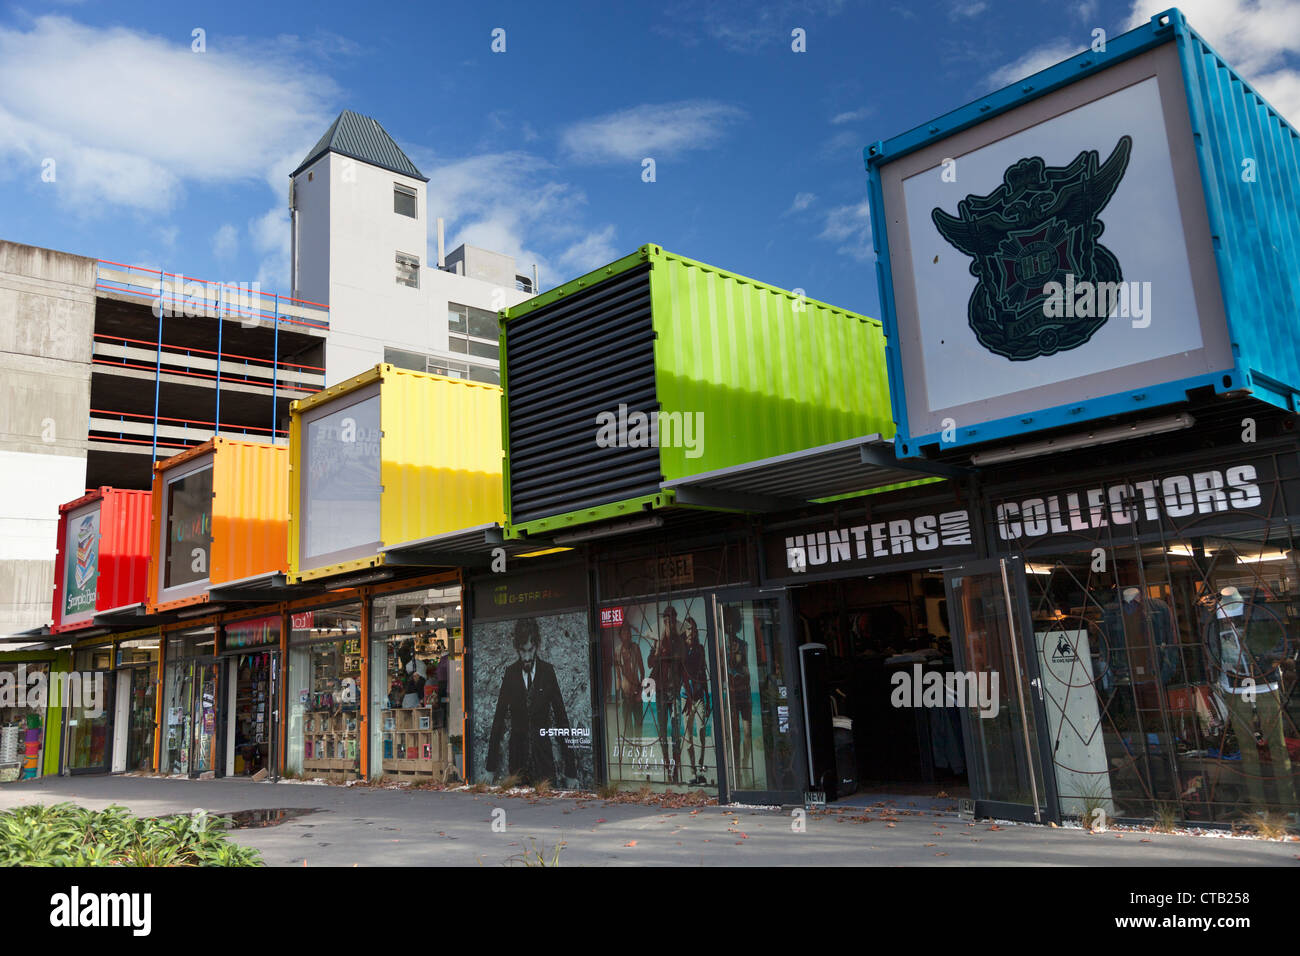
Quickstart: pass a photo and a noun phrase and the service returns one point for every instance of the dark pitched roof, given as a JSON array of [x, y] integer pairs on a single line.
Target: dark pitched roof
[[363, 139]]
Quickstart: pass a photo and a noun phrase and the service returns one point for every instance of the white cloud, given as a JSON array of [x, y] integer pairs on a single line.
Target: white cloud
[[272, 240], [1258, 38], [515, 203], [1039, 58], [225, 242], [1085, 11], [851, 116], [590, 252], [130, 117], [851, 226], [801, 202], [967, 11], [655, 130]]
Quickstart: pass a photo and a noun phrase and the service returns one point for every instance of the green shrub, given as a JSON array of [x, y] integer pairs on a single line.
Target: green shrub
[[68, 835]]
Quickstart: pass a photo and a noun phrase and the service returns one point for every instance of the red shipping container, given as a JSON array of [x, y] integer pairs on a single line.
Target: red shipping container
[[103, 556]]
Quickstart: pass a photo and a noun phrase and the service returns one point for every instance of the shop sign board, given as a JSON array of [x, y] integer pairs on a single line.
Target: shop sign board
[[1173, 499], [867, 544]]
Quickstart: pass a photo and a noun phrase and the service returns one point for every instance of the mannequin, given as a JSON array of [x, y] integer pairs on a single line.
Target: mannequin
[[1247, 642], [1140, 633]]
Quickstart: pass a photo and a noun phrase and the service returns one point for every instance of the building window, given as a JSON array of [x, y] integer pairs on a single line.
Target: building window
[[404, 200], [415, 361], [449, 369], [478, 373], [474, 332], [408, 270]]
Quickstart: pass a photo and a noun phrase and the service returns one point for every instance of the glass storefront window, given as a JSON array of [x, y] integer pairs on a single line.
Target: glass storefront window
[[189, 528], [140, 651], [324, 692], [1170, 675], [416, 660], [22, 720], [93, 659], [340, 487], [661, 733]]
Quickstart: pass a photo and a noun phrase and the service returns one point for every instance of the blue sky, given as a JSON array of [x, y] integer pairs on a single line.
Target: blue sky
[[167, 157]]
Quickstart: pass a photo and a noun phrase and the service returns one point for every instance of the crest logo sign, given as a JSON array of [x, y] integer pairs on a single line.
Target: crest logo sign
[[1039, 226]]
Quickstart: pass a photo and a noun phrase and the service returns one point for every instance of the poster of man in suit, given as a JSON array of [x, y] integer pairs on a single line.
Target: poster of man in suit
[[532, 704]]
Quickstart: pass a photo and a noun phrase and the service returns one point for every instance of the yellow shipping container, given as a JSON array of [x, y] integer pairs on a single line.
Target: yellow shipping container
[[386, 457]]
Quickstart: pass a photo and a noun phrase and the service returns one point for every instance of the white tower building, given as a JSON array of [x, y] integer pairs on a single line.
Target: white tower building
[[361, 246]]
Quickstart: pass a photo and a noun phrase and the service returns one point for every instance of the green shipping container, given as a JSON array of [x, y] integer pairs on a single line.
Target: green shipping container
[[656, 368]]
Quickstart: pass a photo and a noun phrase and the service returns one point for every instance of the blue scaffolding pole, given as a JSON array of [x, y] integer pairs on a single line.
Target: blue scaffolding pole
[[216, 426], [275, 366], [157, 375]]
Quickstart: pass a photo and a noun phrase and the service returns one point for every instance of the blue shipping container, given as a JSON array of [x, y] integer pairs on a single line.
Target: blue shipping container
[[1236, 208]]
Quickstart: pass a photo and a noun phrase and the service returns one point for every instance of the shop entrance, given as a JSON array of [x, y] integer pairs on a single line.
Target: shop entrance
[[756, 704], [90, 706], [250, 703], [191, 710], [873, 728]]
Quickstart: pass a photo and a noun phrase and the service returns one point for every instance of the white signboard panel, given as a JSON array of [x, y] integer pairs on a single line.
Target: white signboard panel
[[1056, 254]]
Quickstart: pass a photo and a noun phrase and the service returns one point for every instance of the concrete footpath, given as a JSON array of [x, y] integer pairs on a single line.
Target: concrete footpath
[[365, 826]]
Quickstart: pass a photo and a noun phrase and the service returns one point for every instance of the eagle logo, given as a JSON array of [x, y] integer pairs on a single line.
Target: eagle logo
[[1039, 226]]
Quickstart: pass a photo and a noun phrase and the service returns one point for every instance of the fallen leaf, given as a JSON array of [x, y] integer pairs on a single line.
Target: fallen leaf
[[633, 843]]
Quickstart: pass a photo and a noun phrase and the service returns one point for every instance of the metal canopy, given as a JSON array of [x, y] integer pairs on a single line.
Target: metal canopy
[[258, 589], [793, 480], [466, 548], [126, 614]]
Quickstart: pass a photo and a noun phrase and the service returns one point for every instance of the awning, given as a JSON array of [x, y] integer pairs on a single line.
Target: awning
[[261, 589], [795, 479], [466, 548]]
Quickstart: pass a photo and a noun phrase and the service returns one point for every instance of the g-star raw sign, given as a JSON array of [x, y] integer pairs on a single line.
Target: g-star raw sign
[[1038, 228], [1208, 492], [887, 541]]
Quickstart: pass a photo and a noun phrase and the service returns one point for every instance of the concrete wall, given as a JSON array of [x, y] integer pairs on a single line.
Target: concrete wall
[[475, 263], [310, 262], [47, 317]]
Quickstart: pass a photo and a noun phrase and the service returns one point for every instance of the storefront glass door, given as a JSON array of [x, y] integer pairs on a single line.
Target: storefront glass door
[[999, 691], [140, 732], [757, 701], [208, 686], [90, 720]]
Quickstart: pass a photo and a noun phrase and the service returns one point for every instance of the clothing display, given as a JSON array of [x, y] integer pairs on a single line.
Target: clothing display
[[1140, 644]]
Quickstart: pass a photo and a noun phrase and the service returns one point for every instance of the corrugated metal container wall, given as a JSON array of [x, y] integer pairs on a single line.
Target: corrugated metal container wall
[[123, 552], [756, 370], [124, 549], [768, 372], [250, 509], [1251, 161], [440, 455]]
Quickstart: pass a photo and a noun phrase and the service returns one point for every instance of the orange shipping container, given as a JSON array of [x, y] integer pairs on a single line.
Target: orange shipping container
[[220, 514]]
